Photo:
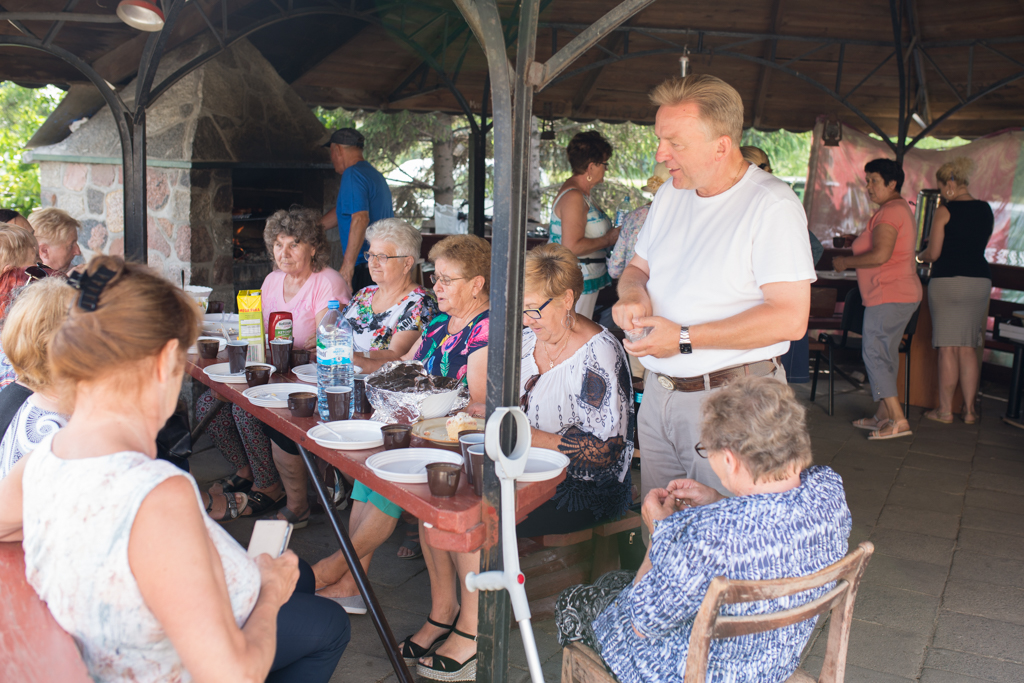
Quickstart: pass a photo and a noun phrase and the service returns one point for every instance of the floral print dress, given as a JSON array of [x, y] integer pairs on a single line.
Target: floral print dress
[[372, 330], [446, 354]]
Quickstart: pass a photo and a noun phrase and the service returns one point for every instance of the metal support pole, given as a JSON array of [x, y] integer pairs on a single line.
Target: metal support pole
[[477, 178], [365, 589], [136, 237]]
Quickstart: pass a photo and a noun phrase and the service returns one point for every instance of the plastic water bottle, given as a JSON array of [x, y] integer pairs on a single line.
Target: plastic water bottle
[[620, 213], [333, 355]]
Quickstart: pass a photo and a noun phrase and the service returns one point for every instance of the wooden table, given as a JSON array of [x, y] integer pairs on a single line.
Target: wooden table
[[460, 523]]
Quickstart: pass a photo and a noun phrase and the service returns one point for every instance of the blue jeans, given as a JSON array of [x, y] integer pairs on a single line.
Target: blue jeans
[[312, 633]]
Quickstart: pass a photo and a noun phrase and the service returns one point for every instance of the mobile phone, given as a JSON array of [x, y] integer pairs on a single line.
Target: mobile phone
[[269, 536]]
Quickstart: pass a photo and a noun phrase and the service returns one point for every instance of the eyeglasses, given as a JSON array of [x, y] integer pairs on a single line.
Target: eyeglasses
[[701, 450], [444, 279], [36, 272], [765, 167], [524, 400], [370, 257], [535, 312]]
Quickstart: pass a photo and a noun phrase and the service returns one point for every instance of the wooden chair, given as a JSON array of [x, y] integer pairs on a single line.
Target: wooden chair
[[33, 647], [580, 664]]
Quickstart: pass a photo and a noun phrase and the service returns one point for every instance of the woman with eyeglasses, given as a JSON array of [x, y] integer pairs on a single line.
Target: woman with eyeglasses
[[576, 220], [453, 344], [388, 317], [577, 392]]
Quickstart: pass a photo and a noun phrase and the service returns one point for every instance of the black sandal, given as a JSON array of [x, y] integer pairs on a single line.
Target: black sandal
[[411, 651], [233, 511], [260, 503], [233, 484], [447, 669]]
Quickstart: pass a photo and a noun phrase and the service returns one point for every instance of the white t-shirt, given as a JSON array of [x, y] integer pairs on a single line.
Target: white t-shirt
[[709, 257]]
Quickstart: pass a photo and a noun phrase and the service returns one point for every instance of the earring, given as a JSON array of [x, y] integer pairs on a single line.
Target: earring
[[569, 322], [589, 179]]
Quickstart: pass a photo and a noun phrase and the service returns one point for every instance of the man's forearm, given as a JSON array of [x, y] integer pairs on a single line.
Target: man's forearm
[[633, 280], [329, 220], [356, 237]]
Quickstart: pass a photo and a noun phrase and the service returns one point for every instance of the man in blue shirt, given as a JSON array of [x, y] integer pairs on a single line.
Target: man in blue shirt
[[363, 199]]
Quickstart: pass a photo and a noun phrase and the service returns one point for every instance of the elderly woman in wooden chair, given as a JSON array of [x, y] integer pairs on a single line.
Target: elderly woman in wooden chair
[[786, 518]]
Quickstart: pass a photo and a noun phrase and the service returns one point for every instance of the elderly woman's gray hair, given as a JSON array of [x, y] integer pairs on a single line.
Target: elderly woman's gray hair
[[762, 423], [407, 239], [304, 225]]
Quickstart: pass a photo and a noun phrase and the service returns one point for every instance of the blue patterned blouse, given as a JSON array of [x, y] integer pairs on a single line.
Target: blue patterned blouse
[[763, 536]]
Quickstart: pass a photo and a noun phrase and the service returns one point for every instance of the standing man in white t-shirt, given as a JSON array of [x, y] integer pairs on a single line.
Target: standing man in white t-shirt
[[722, 273]]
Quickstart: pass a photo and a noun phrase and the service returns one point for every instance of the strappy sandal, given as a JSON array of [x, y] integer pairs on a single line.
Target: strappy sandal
[[260, 503], [870, 423], [894, 434], [233, 510], [411, 652], [936, 416], [968, 418], [296, 521], [447, 669], [233, 484]]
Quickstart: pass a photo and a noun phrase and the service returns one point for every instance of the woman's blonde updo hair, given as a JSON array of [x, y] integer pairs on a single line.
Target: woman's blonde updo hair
[[551, 269], [762, 423], [958, 170], [35, 316], [138, 313]]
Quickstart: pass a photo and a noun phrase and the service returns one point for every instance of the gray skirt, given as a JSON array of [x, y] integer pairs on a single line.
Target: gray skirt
[[959, 307]]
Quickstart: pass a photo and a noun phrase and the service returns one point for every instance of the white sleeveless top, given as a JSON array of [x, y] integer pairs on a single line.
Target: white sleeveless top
[[78, 517], [595, 275]]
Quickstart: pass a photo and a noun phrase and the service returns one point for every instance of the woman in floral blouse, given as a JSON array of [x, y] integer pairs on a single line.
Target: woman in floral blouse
[[388, 317]]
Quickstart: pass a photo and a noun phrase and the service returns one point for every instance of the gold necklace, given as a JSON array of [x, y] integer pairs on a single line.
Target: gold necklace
[[551, 362]]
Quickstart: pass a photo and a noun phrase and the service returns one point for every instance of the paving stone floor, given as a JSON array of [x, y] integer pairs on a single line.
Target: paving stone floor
[[942, 600]]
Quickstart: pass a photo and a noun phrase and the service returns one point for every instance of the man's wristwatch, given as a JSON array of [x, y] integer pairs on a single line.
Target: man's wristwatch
[[684, 340]]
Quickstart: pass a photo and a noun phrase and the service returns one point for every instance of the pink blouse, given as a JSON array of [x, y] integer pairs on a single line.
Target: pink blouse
[[313, 297]]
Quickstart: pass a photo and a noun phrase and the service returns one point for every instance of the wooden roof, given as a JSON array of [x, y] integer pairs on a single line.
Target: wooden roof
[[381, 60]]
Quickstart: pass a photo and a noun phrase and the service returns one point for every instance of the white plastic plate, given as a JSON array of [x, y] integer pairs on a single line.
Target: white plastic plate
[[218, 372], [348, 435], [543, 464], [409, 465], [274, 395]]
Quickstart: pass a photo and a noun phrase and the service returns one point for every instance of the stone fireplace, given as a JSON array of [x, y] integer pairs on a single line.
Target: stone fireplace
[[228, 144]]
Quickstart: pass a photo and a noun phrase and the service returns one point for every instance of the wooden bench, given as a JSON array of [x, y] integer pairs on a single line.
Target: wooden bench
[[33, 647], [555, 562]]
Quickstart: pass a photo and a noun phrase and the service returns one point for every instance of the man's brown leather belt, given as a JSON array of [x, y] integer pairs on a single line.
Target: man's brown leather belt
[[718, 378]]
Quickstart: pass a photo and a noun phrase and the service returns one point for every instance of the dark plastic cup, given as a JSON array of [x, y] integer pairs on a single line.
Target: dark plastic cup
[[302, 403], [338, 401], [396, 436], [359, 397], [443, 479], [208, 348], [257, 375], [299, 357], [215, 307], [238, 350], [280, 354], [838, 242], [476, 454], [467, 438]]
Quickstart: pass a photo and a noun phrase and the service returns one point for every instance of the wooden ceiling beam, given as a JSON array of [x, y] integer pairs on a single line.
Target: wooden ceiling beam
[[766, 72]]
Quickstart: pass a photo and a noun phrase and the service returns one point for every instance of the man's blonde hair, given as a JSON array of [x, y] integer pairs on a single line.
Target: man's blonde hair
[[721, 108], [53, 226]]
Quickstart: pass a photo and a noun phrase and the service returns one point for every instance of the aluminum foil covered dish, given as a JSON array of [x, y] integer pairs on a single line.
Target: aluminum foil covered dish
[[402, 391]]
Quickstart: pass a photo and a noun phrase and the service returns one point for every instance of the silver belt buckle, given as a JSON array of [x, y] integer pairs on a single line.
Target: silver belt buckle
[[666, 382]]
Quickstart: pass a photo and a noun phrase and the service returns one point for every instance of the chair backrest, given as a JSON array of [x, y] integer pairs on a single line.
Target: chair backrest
[[33, 647], [853, 313], [911, 327], [710, 624]]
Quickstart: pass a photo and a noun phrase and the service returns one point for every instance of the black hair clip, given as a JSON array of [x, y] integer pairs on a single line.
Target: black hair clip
[[91, 286]]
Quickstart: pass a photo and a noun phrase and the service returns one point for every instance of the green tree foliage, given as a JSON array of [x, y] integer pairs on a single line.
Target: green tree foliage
[[788, 152], [22, 111]]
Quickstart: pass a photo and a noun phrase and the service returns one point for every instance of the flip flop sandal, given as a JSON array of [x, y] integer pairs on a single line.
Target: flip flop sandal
[[447, 669], [878, 436], [415, 546], [233, 510], [869, 423], [296, 521], [411, 652], [233, 484], [260, 503], [936, 416]]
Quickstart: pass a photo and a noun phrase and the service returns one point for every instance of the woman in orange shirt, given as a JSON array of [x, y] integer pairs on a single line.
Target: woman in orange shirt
[[884, 258]]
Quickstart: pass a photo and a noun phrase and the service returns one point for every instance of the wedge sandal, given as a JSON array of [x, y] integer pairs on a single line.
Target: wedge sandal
[[447, 669], [411, 652]]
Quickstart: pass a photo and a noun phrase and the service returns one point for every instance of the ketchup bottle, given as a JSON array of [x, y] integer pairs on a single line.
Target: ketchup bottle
[[280, 326]]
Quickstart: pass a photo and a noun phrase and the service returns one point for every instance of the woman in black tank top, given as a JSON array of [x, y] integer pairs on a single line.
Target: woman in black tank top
[[960, 287]]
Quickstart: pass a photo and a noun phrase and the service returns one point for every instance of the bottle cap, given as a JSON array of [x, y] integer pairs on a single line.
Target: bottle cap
[[333, 305]]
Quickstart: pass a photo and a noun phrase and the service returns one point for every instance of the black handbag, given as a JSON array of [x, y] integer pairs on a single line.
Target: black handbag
[[174, 441]]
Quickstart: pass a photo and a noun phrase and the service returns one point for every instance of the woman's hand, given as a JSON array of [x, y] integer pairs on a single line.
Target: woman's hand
[[612, 236], [658, 505], [477, 409], [690, 493], [838, 264], [278, 576]]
